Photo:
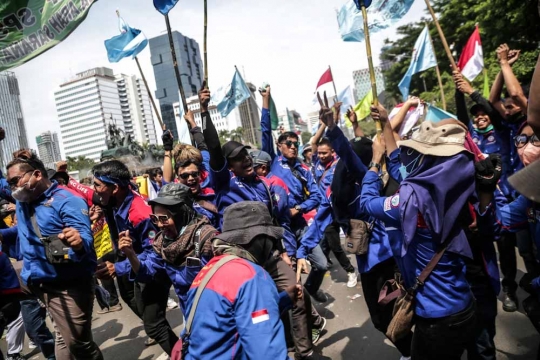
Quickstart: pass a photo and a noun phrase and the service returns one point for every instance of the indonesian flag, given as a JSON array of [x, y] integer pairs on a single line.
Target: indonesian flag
[[471, 61], [259, 316], [413, 115], [325, 78]]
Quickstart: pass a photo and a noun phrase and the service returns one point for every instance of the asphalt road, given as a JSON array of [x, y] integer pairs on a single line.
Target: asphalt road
[[349, 333]]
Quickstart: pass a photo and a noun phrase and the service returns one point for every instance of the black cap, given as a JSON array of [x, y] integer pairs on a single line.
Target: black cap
[[51, 174], [232, 149], [477, 107], [173, 194]]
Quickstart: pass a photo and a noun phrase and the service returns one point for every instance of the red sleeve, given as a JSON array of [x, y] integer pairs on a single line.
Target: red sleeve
[[85, 191]]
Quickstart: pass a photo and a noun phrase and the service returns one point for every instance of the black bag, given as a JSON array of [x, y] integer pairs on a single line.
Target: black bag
[[55, 250]]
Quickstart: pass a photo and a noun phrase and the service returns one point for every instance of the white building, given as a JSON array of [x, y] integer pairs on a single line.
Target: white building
[[91, 101], [11, 118], [48, 148]]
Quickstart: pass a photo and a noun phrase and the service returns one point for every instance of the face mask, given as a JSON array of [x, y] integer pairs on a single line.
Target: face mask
[[516, 118], [529, 153], [23, 194], [405, 170]]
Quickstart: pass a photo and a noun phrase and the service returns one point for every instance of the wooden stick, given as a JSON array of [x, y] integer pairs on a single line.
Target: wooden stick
[[443, 38], [163, 127], [204, 44], [443, 99], [175, 65], [334, 84]]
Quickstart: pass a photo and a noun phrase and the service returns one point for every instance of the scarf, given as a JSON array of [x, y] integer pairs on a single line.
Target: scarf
[[486, 130], [221, 247], [439, 199], [177, 251]]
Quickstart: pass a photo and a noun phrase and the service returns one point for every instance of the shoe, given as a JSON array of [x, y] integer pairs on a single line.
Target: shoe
[[405, 358], [313, 356], [114, 308], [320, 296], [16, 356], [510, 302], [317, 330], [150, 342], [171, 304], [31, 345], [352, 279]]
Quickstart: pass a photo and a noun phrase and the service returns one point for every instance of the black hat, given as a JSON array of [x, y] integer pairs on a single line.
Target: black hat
[[245, 220], [525, 181], [363, 148], [51, 174], [477, 107], [232, 149], [173, 194]]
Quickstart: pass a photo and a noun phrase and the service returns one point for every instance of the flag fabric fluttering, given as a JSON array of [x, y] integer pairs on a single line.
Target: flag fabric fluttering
[[435, 114], [229, 97], [413, 115], [164, 6], [130, 42], [423, 58], [346, 98], [274, 119], [486, 90], [325, 78], [363, 108], [182, 128], [381, 14], [471, 61]]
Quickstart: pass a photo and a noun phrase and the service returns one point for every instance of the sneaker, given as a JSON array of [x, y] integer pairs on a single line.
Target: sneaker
[[510, 302], [32, 345], [150, 342], [16, 356], [317, 330], [114, 308], [320, 296], [312, 356], [171, 304], [352, 279]]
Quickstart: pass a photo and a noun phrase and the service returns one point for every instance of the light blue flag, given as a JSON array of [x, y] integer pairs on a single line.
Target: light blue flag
[[434, 114], [381, 15], [228, 98], [130, 42], [164, 6], [422, 59], [182, 127]]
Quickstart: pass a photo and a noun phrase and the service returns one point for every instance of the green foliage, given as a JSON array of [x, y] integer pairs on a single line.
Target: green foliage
[[368, 127], [514, 22], [224, 136], [80, 163], [306, 137]]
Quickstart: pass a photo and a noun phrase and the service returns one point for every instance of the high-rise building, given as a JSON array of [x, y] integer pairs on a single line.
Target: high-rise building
[[362, 82], [250, 118], [191, 72], [11, 118], [48, 148], [292, 121], [136, 109]]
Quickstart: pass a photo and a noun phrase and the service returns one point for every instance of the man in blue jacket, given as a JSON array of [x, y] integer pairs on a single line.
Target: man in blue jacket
[[49, 216]]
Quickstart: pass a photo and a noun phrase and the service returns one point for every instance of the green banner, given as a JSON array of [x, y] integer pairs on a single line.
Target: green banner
[[28, 28]]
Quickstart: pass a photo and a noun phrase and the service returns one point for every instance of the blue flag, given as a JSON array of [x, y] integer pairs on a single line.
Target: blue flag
[[423, 58], [129, 43], [164, 6], [228, 98], [381, 15], [434, 114], [360, 2]]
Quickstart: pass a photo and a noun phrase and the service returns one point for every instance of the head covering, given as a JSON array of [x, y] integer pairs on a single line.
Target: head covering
[[173, 194], [260, 157], [51, 173], [306, 148], [525, 181], [232, 149], [245, 220], [445, 138], [438, 189], [477, 107]]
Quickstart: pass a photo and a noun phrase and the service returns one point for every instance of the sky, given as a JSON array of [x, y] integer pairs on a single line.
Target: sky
[[287, 43]]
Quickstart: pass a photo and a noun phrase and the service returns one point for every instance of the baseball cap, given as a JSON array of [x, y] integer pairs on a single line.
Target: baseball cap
[[260, 157], [173, 194], [232, 148]]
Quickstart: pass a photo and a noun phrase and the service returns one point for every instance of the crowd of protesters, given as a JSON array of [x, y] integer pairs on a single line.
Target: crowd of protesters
[[228, 230]]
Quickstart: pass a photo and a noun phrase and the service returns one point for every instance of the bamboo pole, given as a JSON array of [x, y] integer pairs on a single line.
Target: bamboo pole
[[441, 34], [334, 84], [163, 127], [204, 44], [175, 65], [443, 99]]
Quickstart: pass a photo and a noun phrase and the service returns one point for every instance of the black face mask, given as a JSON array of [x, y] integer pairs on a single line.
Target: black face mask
[[516, 118], [261, 249]]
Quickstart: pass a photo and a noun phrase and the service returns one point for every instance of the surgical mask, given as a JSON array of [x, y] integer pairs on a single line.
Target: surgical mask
[[405, 170], [23, 194], [529, 153]]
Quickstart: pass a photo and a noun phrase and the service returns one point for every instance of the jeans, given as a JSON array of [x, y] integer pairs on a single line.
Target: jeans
[[108, 284], [507, 257], [332, 242], [372, 283], [443, 338], [34, 322], [482, 346], [319, 266], [525, 244], [151, 299]]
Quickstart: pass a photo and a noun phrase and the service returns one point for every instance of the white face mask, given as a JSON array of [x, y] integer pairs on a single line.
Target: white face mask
[[23, 194]]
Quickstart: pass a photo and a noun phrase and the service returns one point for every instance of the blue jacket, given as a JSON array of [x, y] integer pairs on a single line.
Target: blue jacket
[[133, 215], [55, 210], [10, 242], [5, 190], [238, 315], [207, 194], [446, 291], [319, 170], [280, 168], [9, 282]]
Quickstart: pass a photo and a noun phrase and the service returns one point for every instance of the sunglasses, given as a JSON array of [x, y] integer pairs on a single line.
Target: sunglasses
[[14, 181], [522, 140], [156, 219], [185, 176], [290, 143]]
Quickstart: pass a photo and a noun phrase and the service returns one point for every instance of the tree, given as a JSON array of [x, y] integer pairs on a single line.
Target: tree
[[80, 163], [224, 136], [238, 134], [306, 137]]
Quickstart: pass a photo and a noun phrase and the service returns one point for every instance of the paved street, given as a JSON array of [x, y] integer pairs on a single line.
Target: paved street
[[349, 335]]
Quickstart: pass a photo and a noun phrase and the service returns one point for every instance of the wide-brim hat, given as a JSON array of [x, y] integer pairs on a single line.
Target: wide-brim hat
[[245, 220], [525, 181], [445, 138], [173, 194]]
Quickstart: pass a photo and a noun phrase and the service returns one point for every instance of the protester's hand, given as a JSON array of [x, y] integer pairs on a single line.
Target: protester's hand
[[326, 115], [265, 93], [488, 172], [72, 238], [168, 140], [379, 113], [379, 149], [61, 166], [11, 207], [190, 118], [106, 270], [285, 257], [513, 56], [413, 101], [464, 86], [295, 292], [125, 243], [301, 268], [502, 53], [351, 114], [294, 212], [95, 212], [204, 97], [456, 76]]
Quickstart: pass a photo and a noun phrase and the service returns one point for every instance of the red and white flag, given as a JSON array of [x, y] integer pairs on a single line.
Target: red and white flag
[[259, 316], [471, 61], [411, 119], [325, 78]]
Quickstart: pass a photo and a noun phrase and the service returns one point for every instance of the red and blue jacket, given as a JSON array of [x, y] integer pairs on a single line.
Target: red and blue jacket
[[318, 170], [207, 194], [238, 315]]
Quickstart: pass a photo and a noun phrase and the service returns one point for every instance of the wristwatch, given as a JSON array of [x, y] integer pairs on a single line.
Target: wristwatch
[[373, 164]]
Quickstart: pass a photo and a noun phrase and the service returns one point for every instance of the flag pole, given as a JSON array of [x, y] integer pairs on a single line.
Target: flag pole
[[175, 65], [370, 63], [334, 84], [443, 99], [204, 45], [441, 34]]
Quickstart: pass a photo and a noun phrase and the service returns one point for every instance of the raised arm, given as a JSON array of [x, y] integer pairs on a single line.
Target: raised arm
[[317, 137], [168, 142], [351, 114], [462, 87], [512, 84], [533, 112], [217, 161], [379, 113], [397, 120], [266, 123]]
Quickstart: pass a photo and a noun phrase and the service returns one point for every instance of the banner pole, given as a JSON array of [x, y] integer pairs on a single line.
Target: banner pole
[[175, 65], [204, 45], [438, 71], [163, 127], [334, 84], [441, 35]]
